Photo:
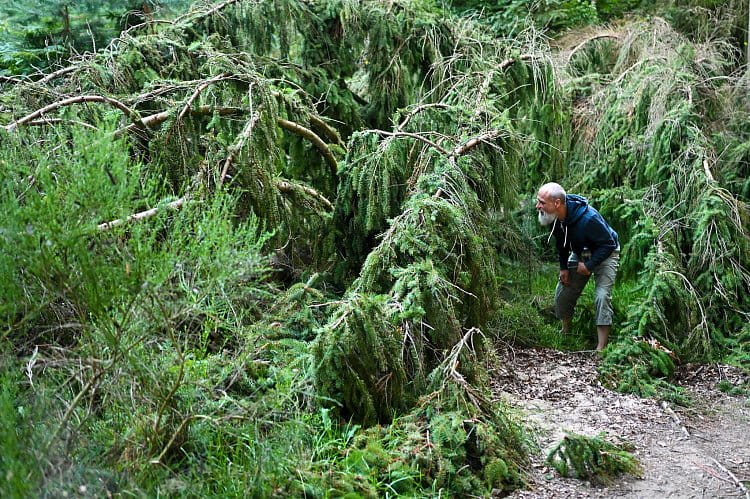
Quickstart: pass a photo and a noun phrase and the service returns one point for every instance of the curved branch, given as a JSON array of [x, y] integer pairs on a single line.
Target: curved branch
[[418, 110], [591, 39], [153, 120], [312, 137], [75, 100], [330, 132], [413, 136], [289, 187], [56, 74]]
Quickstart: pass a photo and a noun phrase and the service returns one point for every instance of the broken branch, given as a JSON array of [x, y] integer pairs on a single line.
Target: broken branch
[[674, 417]]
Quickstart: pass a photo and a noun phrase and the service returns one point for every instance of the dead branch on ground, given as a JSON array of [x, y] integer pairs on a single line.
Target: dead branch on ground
[[738, 483]]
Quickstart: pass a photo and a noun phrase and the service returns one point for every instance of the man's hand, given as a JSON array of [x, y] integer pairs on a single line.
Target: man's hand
[[582, 269], [564, 274]]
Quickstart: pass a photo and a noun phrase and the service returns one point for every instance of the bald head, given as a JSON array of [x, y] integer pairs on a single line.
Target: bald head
[[553, 191], [550, 203]]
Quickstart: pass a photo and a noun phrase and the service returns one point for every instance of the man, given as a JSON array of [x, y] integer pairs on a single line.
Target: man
[[595, 247]]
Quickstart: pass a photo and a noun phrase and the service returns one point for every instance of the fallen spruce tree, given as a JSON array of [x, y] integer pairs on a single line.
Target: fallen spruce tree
[[244, 218]]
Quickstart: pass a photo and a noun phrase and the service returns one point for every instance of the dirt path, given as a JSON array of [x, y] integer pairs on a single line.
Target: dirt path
[[685, 452]]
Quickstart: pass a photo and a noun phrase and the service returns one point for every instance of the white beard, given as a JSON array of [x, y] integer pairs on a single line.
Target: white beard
[[546, 218]]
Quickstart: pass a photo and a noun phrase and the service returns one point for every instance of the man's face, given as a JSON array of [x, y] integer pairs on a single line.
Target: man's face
[[546, 208]]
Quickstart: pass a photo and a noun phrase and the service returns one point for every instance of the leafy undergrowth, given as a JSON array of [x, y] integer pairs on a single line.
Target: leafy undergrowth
[[592, 458]]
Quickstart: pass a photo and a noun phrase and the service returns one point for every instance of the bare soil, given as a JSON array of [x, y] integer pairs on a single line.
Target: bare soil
[[701, 451]]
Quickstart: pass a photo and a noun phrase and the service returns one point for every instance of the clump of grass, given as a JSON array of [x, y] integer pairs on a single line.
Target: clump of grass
[[592, 458], [641, 367], [729, 388]]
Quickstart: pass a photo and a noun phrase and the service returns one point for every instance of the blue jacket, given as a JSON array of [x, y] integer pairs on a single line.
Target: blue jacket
[[583, 227]]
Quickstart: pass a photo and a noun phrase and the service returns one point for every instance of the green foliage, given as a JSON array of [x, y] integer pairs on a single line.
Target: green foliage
[[675, 216], [592, 458], [358, 359], [440, 445], [508, 17], [19, 435], [738, 347], [37, 34], [641, 367]]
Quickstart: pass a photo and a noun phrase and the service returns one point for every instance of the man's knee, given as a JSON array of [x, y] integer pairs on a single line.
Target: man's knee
[[602, 296], [565, 302]]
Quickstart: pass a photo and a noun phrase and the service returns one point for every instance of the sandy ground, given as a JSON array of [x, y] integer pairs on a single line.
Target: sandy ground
[[698, 452]]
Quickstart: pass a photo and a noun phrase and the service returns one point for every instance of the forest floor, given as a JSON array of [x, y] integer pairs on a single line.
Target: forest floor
[[687, 452]]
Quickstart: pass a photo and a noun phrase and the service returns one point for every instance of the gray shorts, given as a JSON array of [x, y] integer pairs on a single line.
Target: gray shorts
[[566, 297]]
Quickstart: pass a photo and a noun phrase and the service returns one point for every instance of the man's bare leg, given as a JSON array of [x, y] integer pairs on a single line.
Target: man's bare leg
[[603, 333], [566, 325]]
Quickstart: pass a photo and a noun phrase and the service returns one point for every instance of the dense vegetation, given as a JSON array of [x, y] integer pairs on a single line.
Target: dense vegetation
[[262, 248]]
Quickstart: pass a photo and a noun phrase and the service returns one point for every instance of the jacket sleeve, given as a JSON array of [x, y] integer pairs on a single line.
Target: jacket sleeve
[[601, 240]]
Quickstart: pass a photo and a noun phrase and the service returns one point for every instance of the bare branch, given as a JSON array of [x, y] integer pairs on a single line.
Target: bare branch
[[330, 132], [174, 205], [237, 147], [153, 120], [312, 137], [10, 79], [738, 483], [219, 7], [57, 74], [198, 90], [413, 136], [472, 143], [75, 100]]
